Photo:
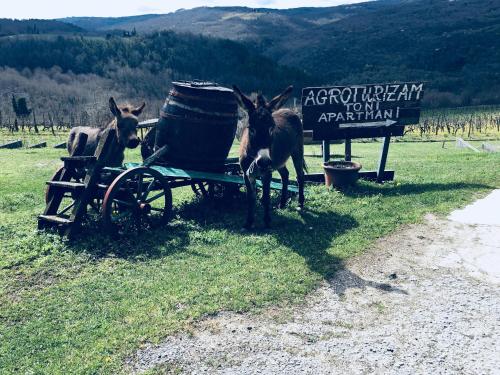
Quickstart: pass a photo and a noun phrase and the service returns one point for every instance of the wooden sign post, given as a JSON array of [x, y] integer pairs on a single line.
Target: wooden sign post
[[361, 111]]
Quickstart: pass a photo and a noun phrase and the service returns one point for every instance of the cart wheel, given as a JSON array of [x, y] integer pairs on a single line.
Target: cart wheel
[[139, 196]]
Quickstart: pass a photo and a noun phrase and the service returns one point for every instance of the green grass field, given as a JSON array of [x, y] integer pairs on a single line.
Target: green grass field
[[83, 307]]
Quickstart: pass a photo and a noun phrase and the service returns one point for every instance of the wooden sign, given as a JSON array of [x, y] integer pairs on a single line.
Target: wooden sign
[[361, 111]]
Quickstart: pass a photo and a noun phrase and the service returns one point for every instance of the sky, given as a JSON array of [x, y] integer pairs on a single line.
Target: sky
[[21, 9]]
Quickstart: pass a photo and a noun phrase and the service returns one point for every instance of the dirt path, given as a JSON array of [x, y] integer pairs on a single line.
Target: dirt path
[[425, 300]]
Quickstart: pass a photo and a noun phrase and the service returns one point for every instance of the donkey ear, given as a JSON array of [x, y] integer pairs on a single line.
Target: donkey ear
[[114, 108], [136, 112], [280, 100], [243, 100]]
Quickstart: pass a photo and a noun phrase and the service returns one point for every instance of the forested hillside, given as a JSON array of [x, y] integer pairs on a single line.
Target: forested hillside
[[452, 44], [179, 56], [61, 74], [61, 68], [33, 26]]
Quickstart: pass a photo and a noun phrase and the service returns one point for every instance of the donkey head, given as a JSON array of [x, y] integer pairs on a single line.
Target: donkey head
[[126, 123], [261, 124]]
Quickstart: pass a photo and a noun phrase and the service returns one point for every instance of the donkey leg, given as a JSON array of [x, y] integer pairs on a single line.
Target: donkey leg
[[284, 182], [298, 163], [266, 198], [251, 201]]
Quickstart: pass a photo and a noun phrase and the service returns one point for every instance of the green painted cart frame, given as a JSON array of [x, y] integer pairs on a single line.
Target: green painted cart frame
[[144, 193]]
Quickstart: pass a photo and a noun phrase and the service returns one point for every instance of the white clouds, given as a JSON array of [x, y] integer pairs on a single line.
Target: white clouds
[[117, 8]]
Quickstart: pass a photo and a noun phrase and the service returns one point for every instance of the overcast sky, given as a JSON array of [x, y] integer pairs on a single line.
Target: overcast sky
[[117, 8]]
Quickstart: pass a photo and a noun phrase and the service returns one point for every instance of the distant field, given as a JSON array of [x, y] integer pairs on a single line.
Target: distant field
[[83, 307], [467, 122], [471, 123]]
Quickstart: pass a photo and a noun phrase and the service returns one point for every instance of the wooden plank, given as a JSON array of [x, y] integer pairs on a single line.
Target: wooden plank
[[60, 145], [347, 149], [54, 203], [39, 145], [361, 111], [105, 146], [78, 158], [460, 143], [197, 176], [12, 145], [489, 147], [147, 123], [158, 154], [374, 175], [68, 185], [326, 151], [55, 219], [383, 159]]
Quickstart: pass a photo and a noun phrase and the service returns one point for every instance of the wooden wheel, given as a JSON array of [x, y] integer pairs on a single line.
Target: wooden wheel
[[139, 197]]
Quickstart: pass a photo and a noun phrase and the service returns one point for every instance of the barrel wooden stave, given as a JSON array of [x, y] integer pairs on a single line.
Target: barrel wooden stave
[[198, 123]]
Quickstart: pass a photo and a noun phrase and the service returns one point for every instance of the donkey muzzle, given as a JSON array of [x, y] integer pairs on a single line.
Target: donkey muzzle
[[263, 160], [133, 143]]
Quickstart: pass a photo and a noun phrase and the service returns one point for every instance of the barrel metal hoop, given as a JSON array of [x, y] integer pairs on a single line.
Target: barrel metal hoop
[[193, 119], [201, 111], [182, 95]]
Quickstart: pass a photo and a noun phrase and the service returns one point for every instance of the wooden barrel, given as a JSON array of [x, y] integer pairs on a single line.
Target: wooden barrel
[[198, 124]]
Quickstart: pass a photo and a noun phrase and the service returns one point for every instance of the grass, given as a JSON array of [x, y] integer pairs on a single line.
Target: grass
[[84, 307]]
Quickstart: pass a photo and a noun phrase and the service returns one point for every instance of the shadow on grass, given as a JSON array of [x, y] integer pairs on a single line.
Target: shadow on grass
[[310, 235], [312, 239], [367, 189], [134, 246]]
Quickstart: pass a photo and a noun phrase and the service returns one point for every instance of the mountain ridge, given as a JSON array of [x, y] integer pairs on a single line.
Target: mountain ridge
[[454, 45], [34, 26]]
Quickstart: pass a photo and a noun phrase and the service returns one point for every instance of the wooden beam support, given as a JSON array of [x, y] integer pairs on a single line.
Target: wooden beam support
[[326, 151], [348, 149], [157, 155], [39, 145], [12, 145], [383, 159]]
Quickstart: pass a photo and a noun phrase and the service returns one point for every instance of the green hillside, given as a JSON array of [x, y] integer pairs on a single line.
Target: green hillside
[[36, 26], [453, 45]]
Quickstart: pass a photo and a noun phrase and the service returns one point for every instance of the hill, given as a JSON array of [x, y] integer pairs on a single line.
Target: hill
[[452, 44], [182, 56], [74, 76], [36, 26]]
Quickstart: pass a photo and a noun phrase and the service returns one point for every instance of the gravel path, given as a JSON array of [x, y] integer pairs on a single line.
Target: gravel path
[[424, 300]]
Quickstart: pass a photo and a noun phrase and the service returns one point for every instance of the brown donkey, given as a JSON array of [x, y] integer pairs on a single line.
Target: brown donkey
[[271, 137], [125, 123]]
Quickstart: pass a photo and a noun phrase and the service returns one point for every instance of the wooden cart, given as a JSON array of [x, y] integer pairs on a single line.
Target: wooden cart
[[136, 194]]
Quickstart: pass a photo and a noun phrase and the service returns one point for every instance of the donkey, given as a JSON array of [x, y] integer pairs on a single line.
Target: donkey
[[271, 137], [125, 123]]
